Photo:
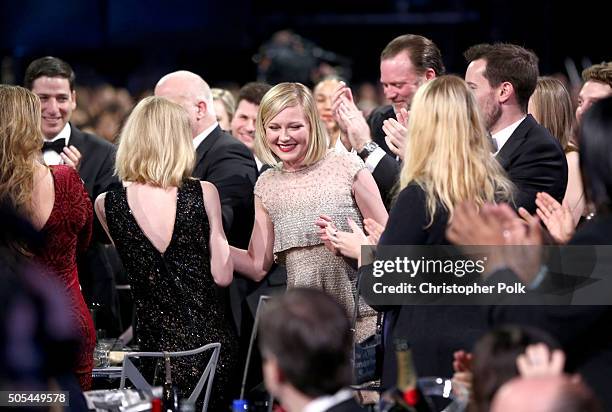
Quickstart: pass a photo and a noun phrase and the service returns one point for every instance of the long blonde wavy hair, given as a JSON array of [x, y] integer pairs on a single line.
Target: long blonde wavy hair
[[448, 153], [20, 146]]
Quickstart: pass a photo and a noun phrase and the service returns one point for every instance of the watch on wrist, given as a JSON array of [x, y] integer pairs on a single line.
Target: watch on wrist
[[367, 150]]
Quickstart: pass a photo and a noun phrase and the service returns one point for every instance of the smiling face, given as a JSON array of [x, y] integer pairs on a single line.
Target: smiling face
[[288, 135], [591, 92], [323, 94], [57, 103], [243, 123], [400, 80]]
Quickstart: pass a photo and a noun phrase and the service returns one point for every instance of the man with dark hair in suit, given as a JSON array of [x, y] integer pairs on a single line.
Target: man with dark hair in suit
[[52, 80], [503, 77], [243, 122], [304, 372]]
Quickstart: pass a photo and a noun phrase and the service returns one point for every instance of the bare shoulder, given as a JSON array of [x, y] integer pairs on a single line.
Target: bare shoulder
[[210, 194]]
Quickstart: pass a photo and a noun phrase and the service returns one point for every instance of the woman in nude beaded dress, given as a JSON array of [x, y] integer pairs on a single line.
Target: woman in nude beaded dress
[[307, 180]]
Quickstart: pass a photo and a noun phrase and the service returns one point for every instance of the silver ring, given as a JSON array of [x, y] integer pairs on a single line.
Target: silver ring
[[506, 234]]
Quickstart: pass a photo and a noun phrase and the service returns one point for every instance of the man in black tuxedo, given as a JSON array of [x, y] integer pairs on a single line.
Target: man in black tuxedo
[[406, 63], [52, 80], [503, 77], [220, 159], [301, 372]]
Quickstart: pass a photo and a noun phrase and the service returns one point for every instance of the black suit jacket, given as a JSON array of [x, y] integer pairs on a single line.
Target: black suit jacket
[[229, 165], [535, 162], [375, 121], [97, 166], [387, 170]]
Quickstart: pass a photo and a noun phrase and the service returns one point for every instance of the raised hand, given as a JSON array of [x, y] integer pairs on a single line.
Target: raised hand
[[557, 218], [71, 157], [349, 117], [539, 361], [395, 136]]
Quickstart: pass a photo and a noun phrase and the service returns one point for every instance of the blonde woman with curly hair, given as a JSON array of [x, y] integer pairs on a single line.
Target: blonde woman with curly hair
[[54, 200], [168, 230], [306, 180]]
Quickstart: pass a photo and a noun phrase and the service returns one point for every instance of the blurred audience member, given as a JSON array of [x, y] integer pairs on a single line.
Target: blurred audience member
[[323, 93], [108, 122], [367, 98], [503, 77], [545, 394], [551, 106], [39, 341], [597, 85], [54, 200], [303, 373], [225, 107], [495, 356], [245, 118]]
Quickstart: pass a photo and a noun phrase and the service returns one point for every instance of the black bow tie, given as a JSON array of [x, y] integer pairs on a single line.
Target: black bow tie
[[56, 146]]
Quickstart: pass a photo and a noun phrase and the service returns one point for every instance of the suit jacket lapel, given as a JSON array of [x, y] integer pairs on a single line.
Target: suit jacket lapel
[[206, 145], [515, 140]]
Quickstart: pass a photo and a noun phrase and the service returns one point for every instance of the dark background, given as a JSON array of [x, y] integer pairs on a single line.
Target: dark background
[[132, 43]]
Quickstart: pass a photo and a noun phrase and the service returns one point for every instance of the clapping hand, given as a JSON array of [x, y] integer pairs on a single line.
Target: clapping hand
[[557, 218], [539, 361], [396, 133], [349, 117]]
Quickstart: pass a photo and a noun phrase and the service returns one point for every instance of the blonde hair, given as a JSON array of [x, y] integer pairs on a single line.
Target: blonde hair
[[155, 145], [277, 99], [447, 152], [20, 145], [551, 106], [227, 100]]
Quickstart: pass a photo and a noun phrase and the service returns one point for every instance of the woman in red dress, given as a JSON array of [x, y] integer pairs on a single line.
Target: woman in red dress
[[54, 200]]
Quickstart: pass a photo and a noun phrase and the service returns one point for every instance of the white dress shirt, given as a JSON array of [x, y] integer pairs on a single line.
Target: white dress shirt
[[200, 138], [323, 403], [504, 134]]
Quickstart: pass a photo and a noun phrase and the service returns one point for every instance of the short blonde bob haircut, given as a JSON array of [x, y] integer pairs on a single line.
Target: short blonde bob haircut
[[448, 152], [276, 100], [155, 145]]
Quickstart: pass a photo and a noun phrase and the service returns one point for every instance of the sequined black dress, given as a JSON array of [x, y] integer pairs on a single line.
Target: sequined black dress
[[178, 306]]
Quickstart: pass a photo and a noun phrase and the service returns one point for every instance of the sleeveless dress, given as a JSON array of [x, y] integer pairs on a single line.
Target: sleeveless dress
[[294, 201], [178, 306], [68, 232]]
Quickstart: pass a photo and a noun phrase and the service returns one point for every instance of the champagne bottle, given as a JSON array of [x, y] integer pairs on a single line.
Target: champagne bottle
[[405, 396], [169, 394]]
